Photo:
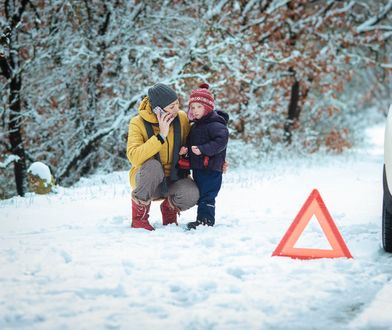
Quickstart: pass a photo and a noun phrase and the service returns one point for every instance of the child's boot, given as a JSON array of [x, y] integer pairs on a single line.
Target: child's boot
[[198, 222]]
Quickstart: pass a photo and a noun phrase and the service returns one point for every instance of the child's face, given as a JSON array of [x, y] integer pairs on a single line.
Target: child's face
[[197, 110]]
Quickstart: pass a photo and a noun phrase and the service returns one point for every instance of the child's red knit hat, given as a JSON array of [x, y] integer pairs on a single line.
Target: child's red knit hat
[[204, 96]]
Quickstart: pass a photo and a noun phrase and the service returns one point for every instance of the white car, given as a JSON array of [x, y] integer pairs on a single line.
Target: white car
[[387, 185]]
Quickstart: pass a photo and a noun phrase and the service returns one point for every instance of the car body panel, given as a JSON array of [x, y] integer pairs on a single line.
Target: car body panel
[[388, 149]]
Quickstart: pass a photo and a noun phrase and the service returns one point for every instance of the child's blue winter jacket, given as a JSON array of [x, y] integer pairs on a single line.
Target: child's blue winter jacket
[[210, 135]]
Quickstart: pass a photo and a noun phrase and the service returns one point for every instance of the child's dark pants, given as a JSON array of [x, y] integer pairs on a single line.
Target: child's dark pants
[[209, 183]]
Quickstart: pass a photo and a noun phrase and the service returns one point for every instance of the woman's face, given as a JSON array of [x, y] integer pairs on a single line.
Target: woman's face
[[197, 110], [173, 108]]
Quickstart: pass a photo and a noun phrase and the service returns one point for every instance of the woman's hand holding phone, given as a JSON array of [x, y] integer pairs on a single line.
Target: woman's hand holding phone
[[164, 120]]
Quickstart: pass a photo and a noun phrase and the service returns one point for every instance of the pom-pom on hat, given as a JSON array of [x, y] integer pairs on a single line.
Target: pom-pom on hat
[[204, 96]]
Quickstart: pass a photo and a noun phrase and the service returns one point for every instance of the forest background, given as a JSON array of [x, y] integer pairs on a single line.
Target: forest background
[[295, 76]]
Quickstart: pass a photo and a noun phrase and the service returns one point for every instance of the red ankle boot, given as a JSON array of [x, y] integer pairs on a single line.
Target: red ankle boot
[[169, 213], [140, 215]]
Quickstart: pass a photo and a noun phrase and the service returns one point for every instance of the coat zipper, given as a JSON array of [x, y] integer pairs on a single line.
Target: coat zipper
[[168, 149]]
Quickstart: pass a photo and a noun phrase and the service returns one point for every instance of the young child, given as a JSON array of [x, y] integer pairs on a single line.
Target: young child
[[206, 148]]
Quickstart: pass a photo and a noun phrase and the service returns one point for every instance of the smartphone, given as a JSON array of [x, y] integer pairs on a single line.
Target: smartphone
[[159, 110]]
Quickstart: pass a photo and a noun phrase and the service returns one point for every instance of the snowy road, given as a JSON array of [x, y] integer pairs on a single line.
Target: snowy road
[[70, 260]]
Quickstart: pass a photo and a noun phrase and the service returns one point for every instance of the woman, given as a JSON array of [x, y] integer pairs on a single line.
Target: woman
[[154, 141]]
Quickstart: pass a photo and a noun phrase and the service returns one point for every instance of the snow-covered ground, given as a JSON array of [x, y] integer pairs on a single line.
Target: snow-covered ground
[[70, 260]]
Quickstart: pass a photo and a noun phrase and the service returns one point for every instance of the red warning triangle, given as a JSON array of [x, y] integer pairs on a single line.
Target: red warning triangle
[[314, 205]]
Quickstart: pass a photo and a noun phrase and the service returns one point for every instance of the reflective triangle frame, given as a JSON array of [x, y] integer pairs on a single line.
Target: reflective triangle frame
[[314, 205]]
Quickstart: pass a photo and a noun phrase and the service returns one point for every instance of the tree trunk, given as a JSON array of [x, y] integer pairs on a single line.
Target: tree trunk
[[10, 70], [15, 122], [294, 111], [15, 134]]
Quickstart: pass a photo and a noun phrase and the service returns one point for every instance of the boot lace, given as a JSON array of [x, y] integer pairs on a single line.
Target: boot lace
[[142, 209]]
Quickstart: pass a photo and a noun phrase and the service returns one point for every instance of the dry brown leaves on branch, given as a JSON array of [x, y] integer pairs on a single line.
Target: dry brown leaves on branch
[[337, 140]]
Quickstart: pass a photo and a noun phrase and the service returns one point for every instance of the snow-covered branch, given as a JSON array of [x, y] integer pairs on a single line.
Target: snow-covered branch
[[9, 160], [371, 22], [85, 147]]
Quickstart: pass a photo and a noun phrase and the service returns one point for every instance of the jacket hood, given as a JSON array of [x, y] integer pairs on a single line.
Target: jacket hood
[[224, 115], [145, 111]]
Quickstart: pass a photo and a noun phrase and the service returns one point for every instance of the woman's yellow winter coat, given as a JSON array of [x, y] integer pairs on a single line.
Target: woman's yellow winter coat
[[141, 148]]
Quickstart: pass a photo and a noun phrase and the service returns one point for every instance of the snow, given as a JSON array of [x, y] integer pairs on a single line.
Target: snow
[[70, 261], [375, 315], [41, 170], [313, 237]]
